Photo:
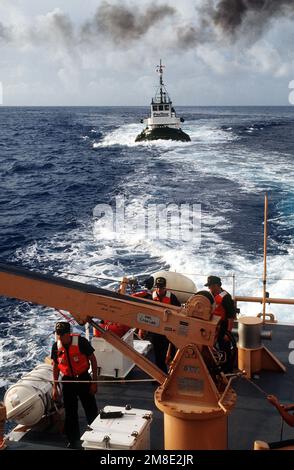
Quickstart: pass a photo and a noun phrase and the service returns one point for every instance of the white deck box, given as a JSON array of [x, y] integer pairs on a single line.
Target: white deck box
[[130, 432], [110, 361]]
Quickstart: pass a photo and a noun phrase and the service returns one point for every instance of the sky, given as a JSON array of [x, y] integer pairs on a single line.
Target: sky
[[105, 52]]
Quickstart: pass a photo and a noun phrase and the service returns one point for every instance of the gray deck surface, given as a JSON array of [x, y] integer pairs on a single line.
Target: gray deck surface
[[252, 418]]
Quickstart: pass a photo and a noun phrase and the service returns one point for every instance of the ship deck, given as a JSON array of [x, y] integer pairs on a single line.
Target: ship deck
[[253, 418]]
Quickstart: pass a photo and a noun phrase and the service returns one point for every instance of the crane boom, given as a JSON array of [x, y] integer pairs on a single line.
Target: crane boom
[[85, 301]]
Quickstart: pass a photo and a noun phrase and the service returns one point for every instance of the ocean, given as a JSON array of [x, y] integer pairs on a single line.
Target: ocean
[[58, 165]]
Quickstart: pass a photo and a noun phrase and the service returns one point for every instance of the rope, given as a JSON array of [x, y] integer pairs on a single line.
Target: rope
[[265, 393], [37, 379], [261, 390], [255, 385], [282, 428], [239, 276], [40, 379], [67, 317], [187, 274], [87, 275]]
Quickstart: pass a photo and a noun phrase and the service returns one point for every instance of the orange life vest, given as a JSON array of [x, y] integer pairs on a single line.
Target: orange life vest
[[141, 293], [117, 328], [166, 299], [71, 362], [219, 309]]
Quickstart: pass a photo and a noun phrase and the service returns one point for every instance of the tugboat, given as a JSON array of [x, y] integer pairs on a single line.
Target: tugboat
[[163, 122]]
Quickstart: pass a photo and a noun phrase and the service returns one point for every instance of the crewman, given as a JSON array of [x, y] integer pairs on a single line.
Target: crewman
[[72, 356], [161, 294], [160, 342], [145, 293], [287, 417], [283, 409], [225, 308]]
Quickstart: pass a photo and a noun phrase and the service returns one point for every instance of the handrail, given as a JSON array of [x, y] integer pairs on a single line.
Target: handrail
[[204, 275], [268, 300]]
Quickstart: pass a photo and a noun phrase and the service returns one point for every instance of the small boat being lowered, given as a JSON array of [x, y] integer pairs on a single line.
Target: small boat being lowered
[[163, 122]]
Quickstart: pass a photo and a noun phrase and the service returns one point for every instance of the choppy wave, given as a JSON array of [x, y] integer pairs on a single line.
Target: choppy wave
[[125, 136]]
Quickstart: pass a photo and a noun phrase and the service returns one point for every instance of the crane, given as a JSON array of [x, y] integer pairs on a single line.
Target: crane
[[194, 396]]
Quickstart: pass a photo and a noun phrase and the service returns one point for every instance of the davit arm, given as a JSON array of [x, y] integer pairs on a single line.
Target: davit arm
[[179, 324]]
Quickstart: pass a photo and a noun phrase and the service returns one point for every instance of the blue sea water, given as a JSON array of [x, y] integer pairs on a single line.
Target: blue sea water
[[58, 164]]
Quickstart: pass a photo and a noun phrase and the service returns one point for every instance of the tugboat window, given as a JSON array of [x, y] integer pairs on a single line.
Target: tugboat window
[[154, 108], [166, 107], [160, 107]]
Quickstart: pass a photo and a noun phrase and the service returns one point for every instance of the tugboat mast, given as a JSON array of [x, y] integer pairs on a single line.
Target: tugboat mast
[[159, 69]]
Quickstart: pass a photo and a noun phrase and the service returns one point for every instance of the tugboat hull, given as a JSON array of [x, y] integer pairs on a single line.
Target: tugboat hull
[[165, 133]]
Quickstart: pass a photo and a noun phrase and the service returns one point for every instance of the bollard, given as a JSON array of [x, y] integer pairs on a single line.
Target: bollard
[[252, 355]]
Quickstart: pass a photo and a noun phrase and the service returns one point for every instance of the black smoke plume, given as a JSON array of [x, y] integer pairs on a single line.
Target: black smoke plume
[[121, 23], [4, 33], [238, 19], [254, 15]]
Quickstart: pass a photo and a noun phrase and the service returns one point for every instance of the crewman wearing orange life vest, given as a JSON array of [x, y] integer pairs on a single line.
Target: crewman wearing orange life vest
[[225, 308], [145, 294], [160, 342], [71, 356]]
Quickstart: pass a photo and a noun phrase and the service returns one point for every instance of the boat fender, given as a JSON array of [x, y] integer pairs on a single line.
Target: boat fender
[[182, 286]]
